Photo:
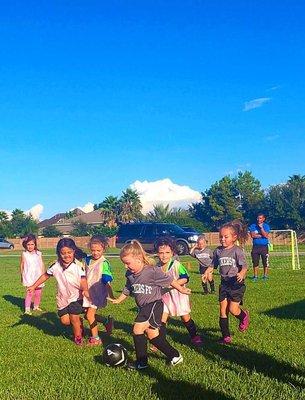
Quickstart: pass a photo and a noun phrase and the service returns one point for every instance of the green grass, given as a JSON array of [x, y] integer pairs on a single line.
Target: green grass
[[39, 360]]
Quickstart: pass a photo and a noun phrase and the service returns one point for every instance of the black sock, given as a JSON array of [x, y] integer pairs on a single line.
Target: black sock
[[191, 327], [241, 316], [140, 344], [205, 287], [224, 326], [162, 344], [212, 286], [162, 330]]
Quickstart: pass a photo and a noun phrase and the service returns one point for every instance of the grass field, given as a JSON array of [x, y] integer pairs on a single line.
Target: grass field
[[39, 361]]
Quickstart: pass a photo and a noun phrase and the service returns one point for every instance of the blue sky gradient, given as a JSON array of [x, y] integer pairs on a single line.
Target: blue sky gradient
[[97, 94]]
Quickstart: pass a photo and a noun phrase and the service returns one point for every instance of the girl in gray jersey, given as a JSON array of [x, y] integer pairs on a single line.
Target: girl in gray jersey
[[231, 261], [204, 255], [144, 282]]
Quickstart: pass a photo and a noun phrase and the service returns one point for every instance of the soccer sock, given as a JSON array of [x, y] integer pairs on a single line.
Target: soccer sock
[[205, 287], [212, 286], [162, 330], [191, 327], [140, 344], [162, 344], [37, 297], [224, 326], [241, 316]]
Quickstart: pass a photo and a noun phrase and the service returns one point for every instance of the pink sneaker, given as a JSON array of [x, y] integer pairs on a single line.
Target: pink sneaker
[[78, 340], [225, 340], [94, 342], [109, 324], [196, 340], [244, 324]]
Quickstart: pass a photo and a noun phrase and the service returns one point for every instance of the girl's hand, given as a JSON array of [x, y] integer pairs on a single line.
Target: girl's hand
[[113, 300], [186, 290], [86, 294], [240, 276], [30, 289]]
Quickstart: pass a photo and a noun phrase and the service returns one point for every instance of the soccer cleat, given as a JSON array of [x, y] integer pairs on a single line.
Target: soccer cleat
[[244, 324], [225, 340], [265, 277], [78, 340], [176, 360], [109, 324], [94, 342], [254, 279], [137, 365], [196, 340], [28, 312]]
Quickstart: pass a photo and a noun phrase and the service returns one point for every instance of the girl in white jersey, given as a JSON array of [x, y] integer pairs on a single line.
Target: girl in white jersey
[[71, 286], [31, 267]]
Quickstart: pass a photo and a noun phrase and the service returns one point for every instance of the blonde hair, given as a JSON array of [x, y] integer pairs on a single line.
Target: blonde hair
[[136, 250], [202, 237], [239, 228]]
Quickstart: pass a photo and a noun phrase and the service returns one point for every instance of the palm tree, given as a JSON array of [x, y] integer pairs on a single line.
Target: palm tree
[[109, 208], [160, 213], [130, 206]]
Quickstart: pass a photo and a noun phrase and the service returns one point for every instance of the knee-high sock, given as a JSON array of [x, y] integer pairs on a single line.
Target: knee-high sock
[[140, 344], [191, 327], [37, 297], [162, 344], [28, 300], [224, 326]]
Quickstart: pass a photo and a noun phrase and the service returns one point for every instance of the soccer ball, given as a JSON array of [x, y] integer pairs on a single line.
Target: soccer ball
[[115, 355]]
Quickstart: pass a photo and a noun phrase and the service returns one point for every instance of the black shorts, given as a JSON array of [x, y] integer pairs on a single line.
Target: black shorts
[[232, 290], [152, 313], [76, 308], [257, 252]]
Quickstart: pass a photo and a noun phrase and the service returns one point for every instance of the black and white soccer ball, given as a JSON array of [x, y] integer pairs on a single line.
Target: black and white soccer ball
[[115, 355]]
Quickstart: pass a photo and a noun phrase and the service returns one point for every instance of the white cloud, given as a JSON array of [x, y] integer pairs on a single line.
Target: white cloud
[[35, 211], [256, 103], [88, 207], [272, 138], [164, 192]]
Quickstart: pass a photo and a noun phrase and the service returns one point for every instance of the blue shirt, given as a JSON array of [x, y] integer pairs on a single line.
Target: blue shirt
[[256, 229]]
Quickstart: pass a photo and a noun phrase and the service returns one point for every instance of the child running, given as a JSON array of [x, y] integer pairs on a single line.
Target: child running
[[71, 286], [176, 304], [31, 267], [144, 281], [231, 261], [99, 278], [204, 255]]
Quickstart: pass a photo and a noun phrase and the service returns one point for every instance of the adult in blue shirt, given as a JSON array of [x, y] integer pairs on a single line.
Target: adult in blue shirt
[[259, 233]]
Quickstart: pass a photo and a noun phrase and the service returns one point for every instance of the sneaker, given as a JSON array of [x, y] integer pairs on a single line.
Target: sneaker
[[78, 340], [225, 340], [254, 278], [196, 340], [28, 312], [94, 342], [244, 324], [176, 360], [137, 365], [37, 309], [109, 324], [265, 277]]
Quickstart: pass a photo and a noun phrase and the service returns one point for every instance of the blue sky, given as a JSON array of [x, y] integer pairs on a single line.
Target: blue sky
[[98, 94]]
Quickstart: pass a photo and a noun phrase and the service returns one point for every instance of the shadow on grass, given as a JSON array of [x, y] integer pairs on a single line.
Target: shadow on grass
[[290, 311], [16, 301]]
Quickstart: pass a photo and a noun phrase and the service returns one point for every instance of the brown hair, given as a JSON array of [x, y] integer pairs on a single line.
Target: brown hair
[[28, 238], [99, 239], [136, 250], [239, 228]]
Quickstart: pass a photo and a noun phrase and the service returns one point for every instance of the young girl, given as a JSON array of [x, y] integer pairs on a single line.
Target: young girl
[[31, 267], [231, 261], [176, 304], [144, 282], [204, 255], [99, 278], [71, 286]]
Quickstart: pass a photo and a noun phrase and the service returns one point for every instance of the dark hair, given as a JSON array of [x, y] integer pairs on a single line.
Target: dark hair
[[28, 238], [239, 228], [99, 239], [166, 241], [68, 242], [261, 215]]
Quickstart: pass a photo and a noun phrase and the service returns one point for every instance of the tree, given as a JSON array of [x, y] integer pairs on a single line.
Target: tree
[[130, 206], [51, 231], [160, 213], [22, 224], [109, 208], [5, 229], [81, 229]]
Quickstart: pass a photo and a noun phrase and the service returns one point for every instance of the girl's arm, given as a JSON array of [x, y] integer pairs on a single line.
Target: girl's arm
[[44, 277], [175, 284], [240, 276], [119, 300], [208, 271], [84, 287], [182, 281]]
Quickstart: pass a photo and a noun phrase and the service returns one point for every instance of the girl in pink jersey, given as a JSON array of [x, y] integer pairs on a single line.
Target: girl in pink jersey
[[71, 286], [31, 267]]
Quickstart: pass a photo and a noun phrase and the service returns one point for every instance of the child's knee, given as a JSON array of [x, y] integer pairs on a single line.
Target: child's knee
[[65, 320]]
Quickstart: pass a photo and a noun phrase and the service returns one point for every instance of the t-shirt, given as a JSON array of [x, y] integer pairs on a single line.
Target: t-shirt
[[204, 256], [146, 285], [180, 271], [230, 261], [256, 229], [68, 283]]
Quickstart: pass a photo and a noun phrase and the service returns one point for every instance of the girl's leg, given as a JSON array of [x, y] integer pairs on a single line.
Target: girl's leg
[[162, 329], [28, 301], [90, 315], [140, 344], [37, 298], [224, 322], [241, 315], [211, 282], [192, 329], [77, 328], [204, 285], [159, 341]]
